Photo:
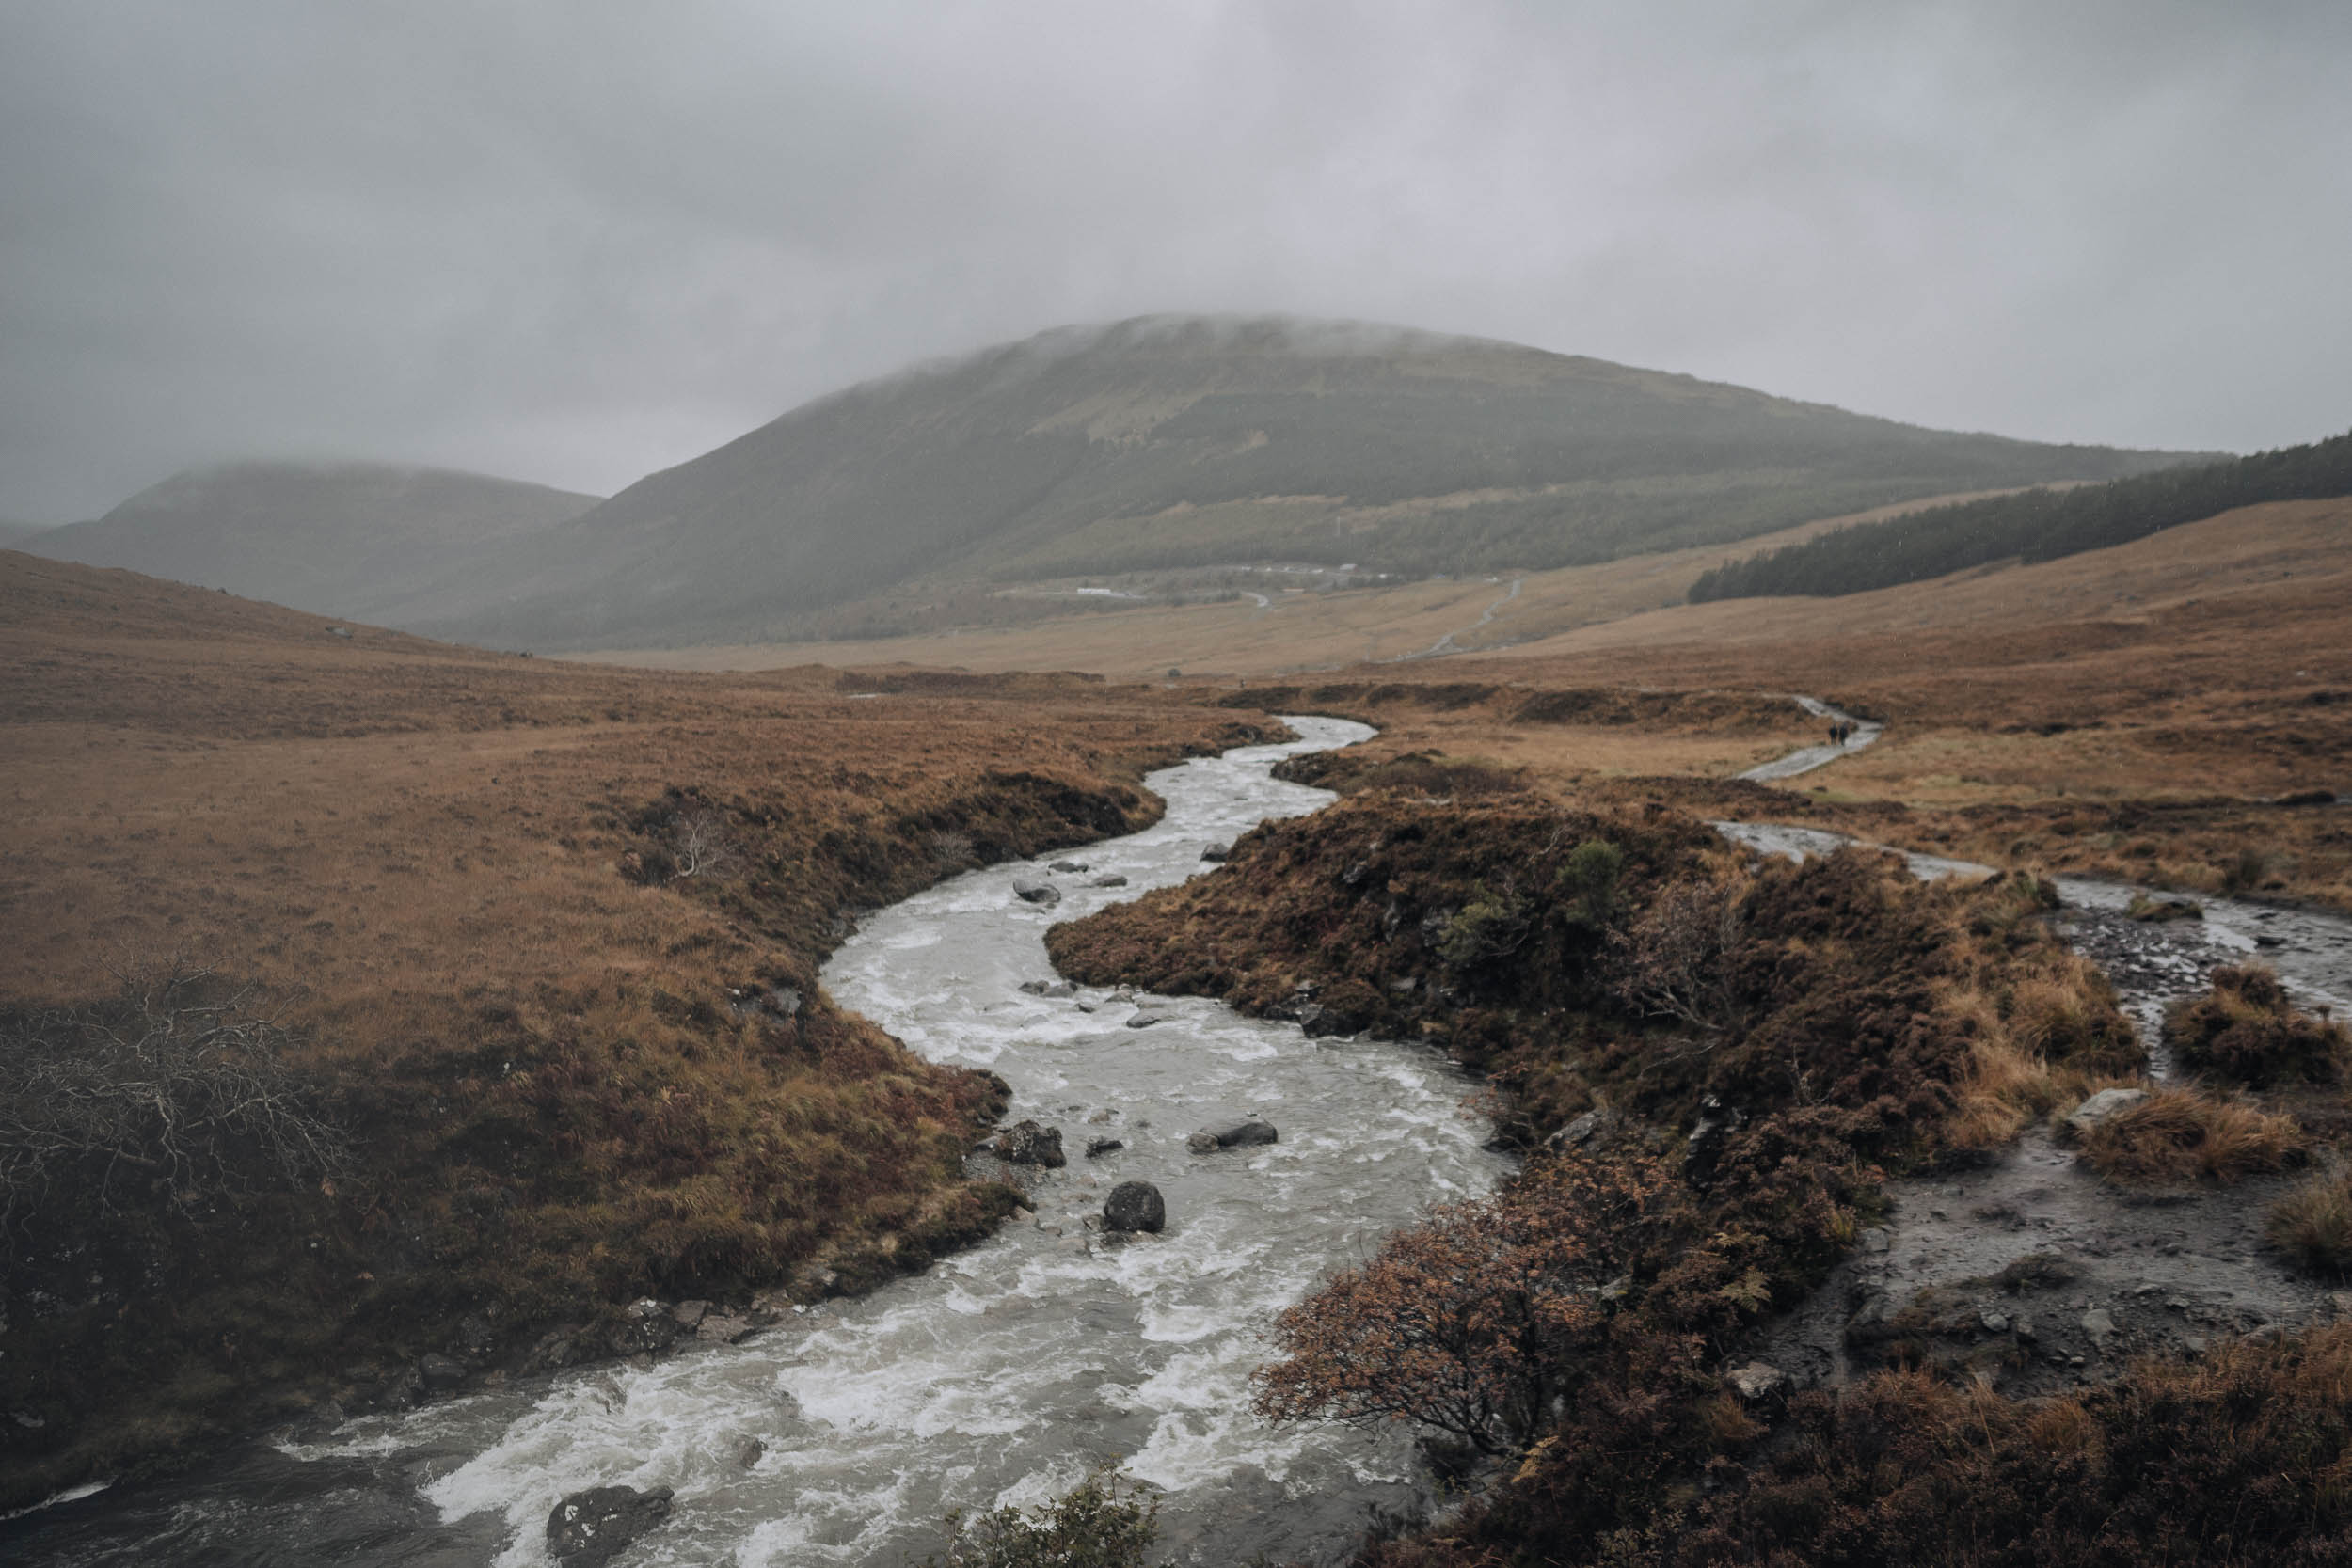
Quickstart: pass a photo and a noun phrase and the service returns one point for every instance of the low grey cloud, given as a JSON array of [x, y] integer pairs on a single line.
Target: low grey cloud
[[576, 241]]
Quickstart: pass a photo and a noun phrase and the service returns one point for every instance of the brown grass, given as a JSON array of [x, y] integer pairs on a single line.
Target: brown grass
[[2312, 1224], [2181, 1135]]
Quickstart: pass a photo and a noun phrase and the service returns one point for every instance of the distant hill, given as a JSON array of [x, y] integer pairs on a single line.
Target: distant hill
[[2039, 525], [15, 535], [1175, 441], [369, 541]]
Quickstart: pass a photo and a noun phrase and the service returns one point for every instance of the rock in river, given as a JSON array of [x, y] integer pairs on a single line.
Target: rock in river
[[589, 1529], [1135, 1206], [1234, 1135], [1029, 890], [1025, 1142]]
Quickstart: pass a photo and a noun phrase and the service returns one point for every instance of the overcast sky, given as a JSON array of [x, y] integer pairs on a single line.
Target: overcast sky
[[574, 241]]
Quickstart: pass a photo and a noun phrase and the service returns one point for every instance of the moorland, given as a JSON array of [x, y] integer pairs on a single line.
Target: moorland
[[484, 985]]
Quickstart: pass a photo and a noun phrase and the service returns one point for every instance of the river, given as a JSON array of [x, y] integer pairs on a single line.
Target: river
[[1003, 1373]]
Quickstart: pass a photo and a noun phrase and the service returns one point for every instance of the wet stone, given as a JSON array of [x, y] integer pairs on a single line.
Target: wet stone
[[2101, 1106], [1135, 1206], [1027, 1143], [592, 1527], [1239, 1135]]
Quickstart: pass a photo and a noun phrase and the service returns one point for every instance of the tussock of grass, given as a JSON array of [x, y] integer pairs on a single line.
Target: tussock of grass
[[2179, 1135], [2312, 1224], [2244, 1030]]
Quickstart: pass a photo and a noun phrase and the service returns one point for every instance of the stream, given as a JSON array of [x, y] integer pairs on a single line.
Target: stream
[[1005, 1373]]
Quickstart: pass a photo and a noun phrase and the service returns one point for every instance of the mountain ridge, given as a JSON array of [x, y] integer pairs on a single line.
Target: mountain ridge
[[1181, 442], [373, 541]]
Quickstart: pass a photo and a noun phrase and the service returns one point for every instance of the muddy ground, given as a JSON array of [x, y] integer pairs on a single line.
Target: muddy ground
[[2029, 1268]]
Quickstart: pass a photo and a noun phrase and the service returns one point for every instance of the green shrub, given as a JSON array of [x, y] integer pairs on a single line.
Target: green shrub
[[1103, 1523]]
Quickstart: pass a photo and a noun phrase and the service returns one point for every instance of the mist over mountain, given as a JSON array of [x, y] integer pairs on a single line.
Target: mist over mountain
[[15, 535], [1183, 441], [376, 541]]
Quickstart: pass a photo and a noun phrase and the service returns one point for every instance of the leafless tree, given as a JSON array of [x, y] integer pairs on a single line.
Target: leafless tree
[[177, 1083]]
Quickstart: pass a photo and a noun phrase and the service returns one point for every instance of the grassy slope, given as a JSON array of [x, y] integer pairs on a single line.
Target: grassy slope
[[1193, 441], [1294, 632], [418, 855], [373, 541]]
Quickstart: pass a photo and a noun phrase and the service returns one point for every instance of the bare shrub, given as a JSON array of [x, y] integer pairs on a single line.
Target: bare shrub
[[953, 851], [175, 1083], [1672, 961], [702, 845], [1473, 1322]]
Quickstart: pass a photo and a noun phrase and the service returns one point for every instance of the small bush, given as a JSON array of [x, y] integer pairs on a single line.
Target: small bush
[[2245, 1031], [2178, 1135], [2313, 1224], [1103, 1523]]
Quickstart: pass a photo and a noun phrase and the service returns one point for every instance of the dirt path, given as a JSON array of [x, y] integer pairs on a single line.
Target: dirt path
[[2030, 1270], [1446, 644], [1806, 759]]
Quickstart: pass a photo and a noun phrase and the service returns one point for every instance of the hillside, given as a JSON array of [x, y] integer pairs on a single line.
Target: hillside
[[1187, 442], [2039, 525], [370, 541]]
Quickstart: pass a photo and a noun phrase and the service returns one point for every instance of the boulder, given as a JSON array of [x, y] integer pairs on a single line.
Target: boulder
[[440, 1373], [1029, 890], [1582, 1129], [2101, 1106], [589, 1529], [1758, 1380], [686, 1314], [1135, 1206], [1321, 1023], [1025, 1142], [1145, 1020], [722, 1328], [1114, 879], [1068, 868], [1237, 1134], [1212, 854], [1097, 1147]]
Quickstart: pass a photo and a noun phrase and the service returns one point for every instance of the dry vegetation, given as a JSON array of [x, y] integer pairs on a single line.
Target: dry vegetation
[[540, 940]]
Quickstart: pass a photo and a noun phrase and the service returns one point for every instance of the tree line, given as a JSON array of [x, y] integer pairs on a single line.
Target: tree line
[[2036, 524]]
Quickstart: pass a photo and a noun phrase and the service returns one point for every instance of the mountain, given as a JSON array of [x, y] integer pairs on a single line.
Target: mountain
[[15, 535], [368, 541], [1192, 441]]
